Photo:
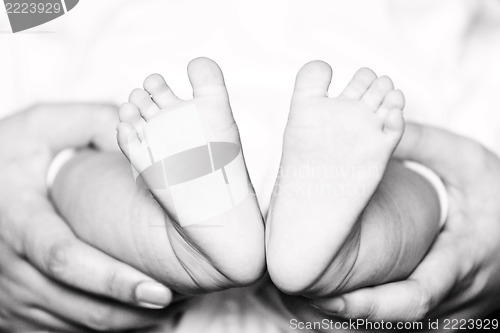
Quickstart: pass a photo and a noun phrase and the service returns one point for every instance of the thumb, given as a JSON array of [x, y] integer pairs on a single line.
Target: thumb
[[441, 151], [409, 300], [69, 125]]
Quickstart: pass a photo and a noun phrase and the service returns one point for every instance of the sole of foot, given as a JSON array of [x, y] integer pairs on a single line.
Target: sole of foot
[[335, 153], [219, 243]]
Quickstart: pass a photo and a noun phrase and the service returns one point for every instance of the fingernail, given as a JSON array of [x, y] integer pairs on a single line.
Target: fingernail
[[152, 295], [333, 306]]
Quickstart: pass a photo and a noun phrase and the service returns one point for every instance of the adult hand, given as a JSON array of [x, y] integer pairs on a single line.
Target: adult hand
[[460, 276], [49, 279]]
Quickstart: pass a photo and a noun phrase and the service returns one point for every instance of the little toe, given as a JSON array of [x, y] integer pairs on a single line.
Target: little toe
[[394, 99], [161, 93], [206, 79], [377, 92], [313, 80], [130, 114], [143, 101], [127, 138], [134, 149], [394, 124], [359, 84]]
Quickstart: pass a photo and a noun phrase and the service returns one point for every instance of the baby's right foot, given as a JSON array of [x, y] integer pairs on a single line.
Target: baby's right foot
[[334, 156], [189, 156]]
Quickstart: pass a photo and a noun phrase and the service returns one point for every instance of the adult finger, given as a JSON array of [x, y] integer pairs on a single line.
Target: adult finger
[[68, 125], [42, 321], [49, 300], [16, 299], [49, 243], [38, 321], [409, 300], [441, 151]]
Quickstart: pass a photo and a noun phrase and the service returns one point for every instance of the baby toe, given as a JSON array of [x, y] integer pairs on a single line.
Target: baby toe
[[313, 80], [127, 137], [161, 93], [377, 92], [359, 84], [394, 99], [394, 124], [207, 79], [144, 103], [129, 113]]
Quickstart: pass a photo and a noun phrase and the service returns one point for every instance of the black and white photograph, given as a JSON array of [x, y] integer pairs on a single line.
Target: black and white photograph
[[249, 166]]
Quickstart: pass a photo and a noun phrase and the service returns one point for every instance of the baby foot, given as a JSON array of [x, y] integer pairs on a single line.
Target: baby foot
[[334, 156], [188, 154]]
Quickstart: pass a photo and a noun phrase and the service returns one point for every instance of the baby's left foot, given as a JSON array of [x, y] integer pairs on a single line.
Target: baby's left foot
[[334, 155]]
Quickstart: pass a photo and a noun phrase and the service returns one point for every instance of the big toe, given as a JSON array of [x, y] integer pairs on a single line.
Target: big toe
[[313, 80], [206, 78]]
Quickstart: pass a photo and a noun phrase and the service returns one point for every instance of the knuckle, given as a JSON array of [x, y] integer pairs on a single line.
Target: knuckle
[[357, 306], [99, 319], [57, 258], [424, 306], [14, 229], [111, 283], [372, 311]]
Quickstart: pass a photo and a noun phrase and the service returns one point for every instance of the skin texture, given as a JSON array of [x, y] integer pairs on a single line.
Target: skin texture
[[459, 277], [391, 256], [346, 143], [195, 248], [465, 253], [152, 245], [44, 268], [397, 228], [97, 194], [379, 249], [372, 302]]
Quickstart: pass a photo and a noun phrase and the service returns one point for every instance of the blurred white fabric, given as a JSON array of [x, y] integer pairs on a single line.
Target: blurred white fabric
[[442, 54]]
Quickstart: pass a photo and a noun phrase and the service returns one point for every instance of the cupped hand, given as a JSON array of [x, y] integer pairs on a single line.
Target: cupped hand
[[49, 279], [460, 276]]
